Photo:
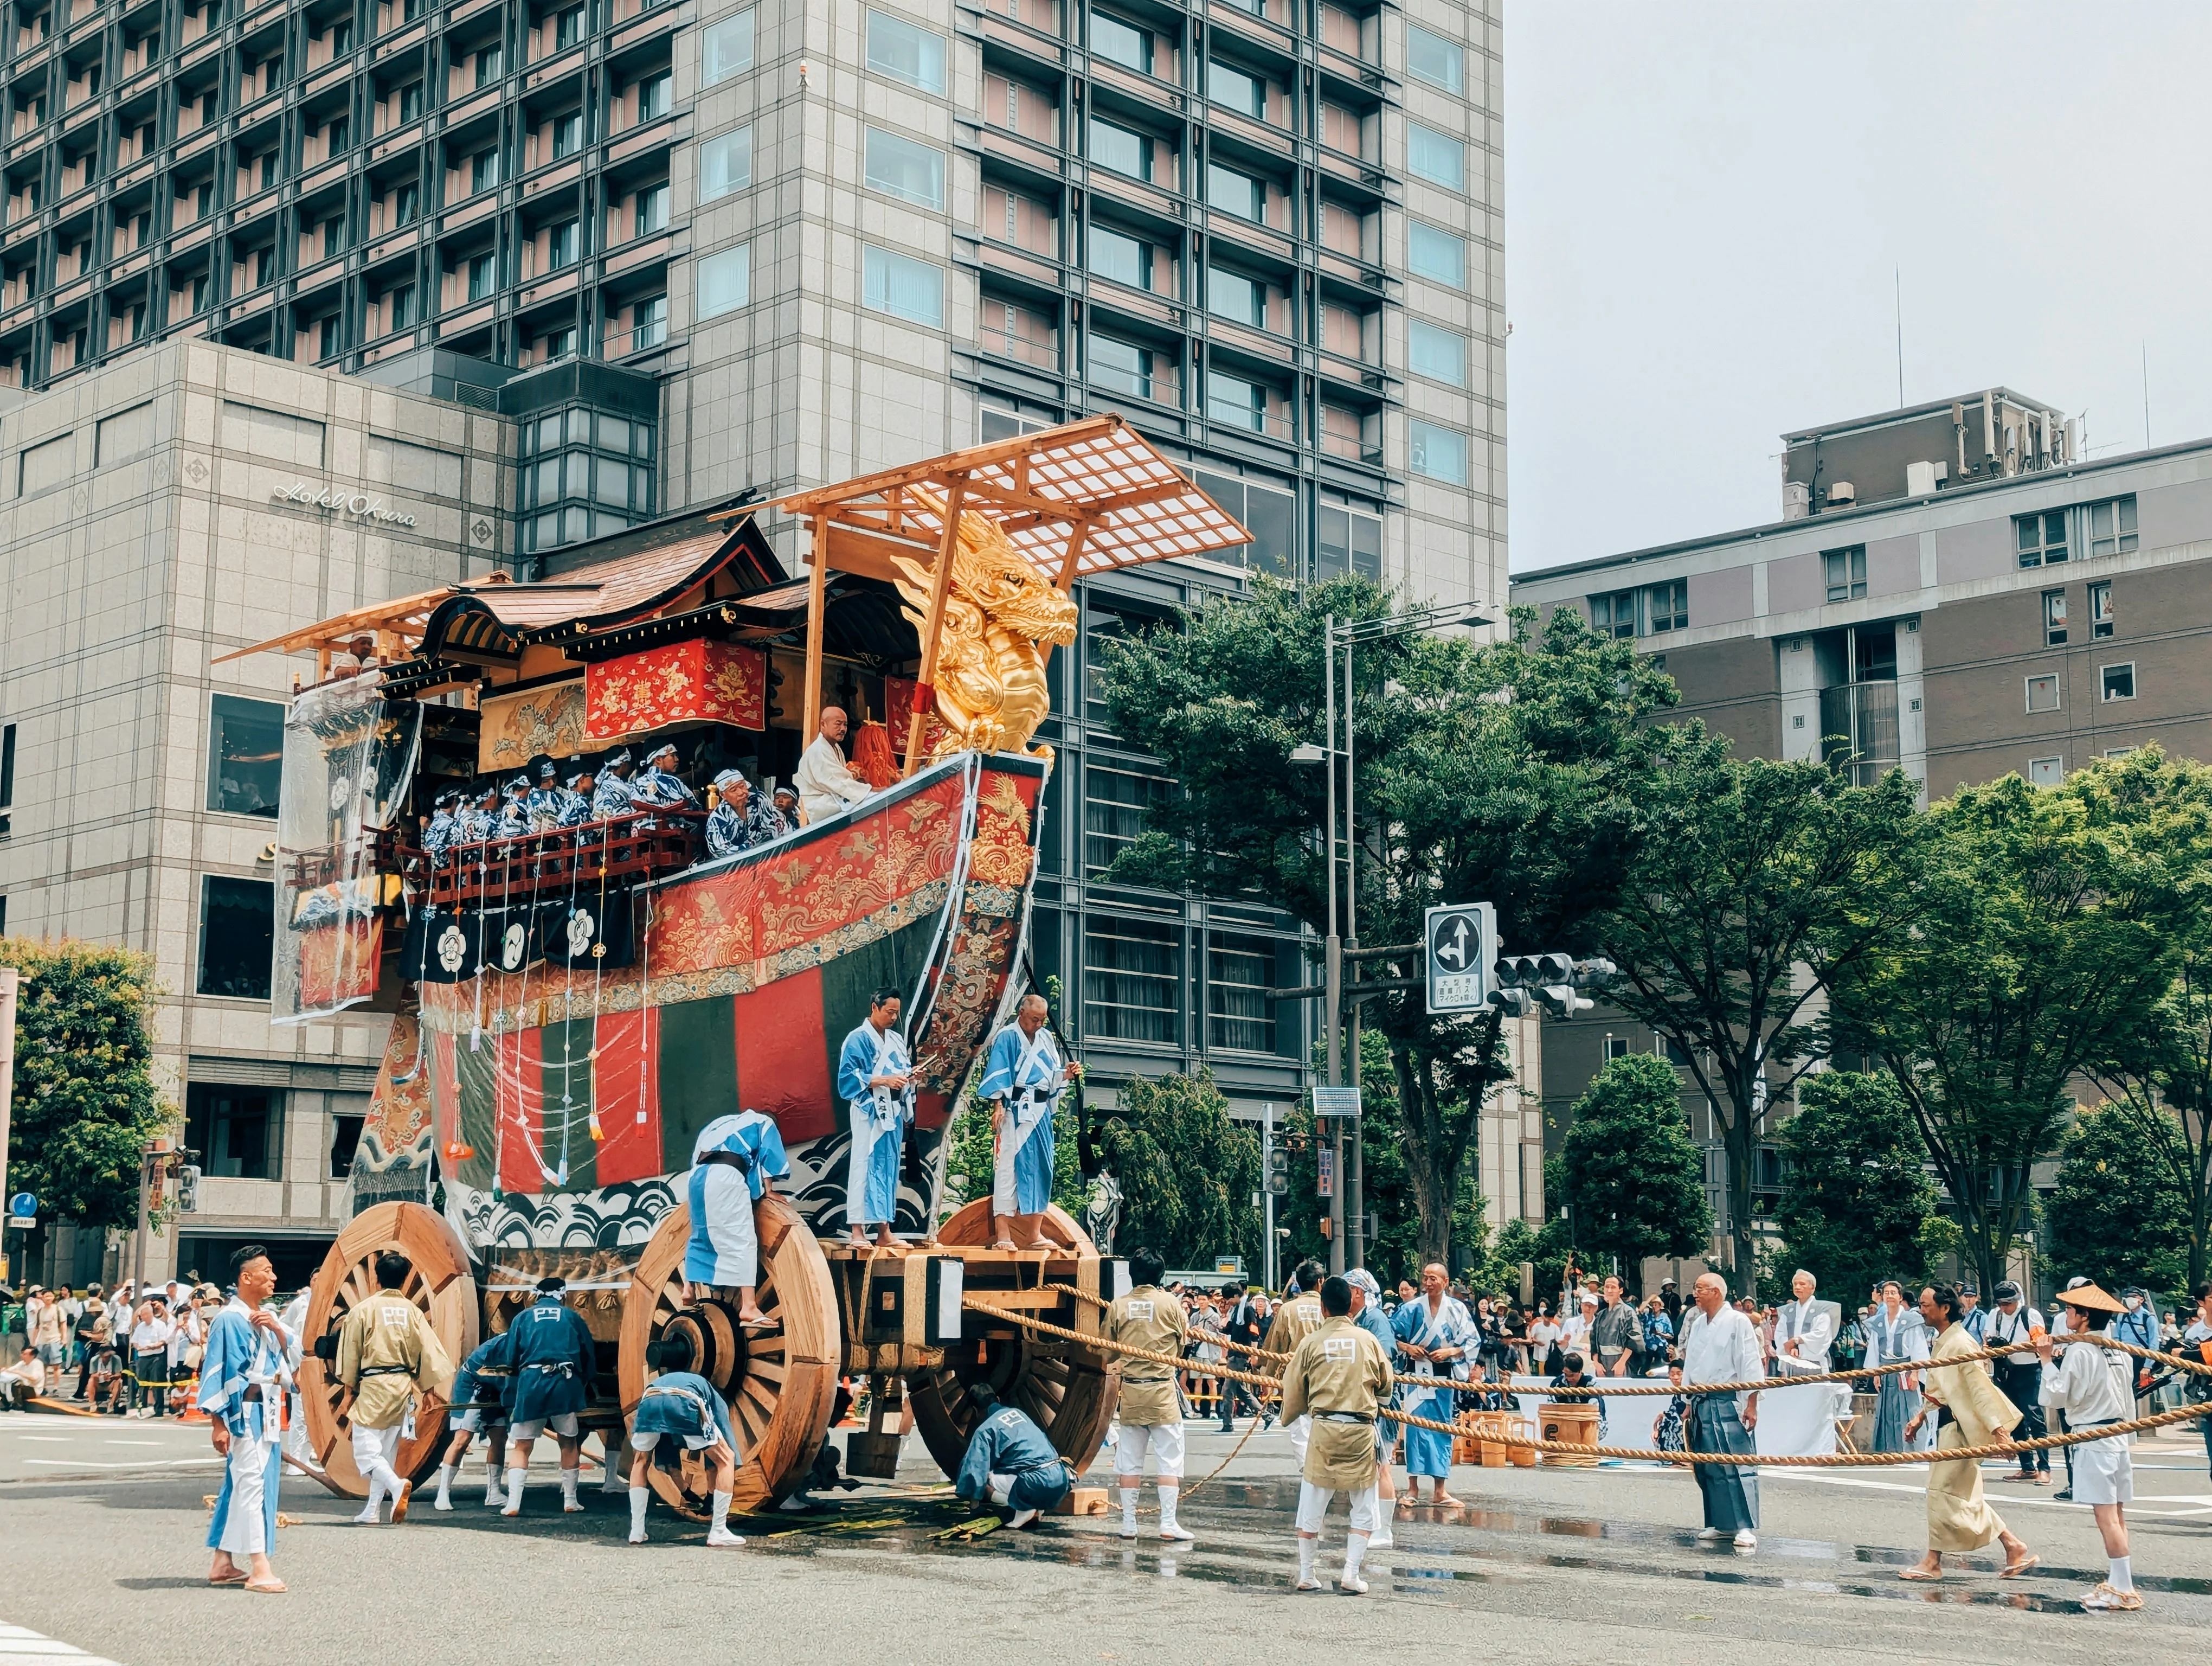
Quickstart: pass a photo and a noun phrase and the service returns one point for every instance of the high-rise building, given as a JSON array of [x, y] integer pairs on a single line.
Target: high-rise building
[[666, 253]]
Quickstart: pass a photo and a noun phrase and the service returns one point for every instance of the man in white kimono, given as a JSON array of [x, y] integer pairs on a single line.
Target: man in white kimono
[[875, 1082], [826, 782], [244, 1376], [1805, 1330], [1720, 1346], [1023, 1078]]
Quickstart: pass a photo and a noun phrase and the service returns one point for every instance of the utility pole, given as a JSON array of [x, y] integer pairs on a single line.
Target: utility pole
[[1355, 1174], [1268, 1194], [145, 1205], [9, 978], [1333, 971]]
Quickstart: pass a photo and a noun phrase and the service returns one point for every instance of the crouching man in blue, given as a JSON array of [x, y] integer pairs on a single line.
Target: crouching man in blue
[[1011, 1462], [244, 1375], [549, 1349], [734, 1162], [680, 1412]]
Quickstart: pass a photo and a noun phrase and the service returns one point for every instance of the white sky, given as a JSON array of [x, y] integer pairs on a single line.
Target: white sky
[[1704, 202]]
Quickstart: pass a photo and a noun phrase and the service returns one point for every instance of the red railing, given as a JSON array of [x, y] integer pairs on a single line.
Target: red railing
[[620, 848]]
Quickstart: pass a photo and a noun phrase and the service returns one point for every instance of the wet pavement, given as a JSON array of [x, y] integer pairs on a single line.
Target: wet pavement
[[109, 1561]]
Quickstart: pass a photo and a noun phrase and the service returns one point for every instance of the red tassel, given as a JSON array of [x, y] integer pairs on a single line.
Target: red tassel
[[873, 760]]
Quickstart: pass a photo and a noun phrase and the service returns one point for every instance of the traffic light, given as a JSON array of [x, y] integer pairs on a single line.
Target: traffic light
[[188, 1188], [1551, 983], [1278, 1172]]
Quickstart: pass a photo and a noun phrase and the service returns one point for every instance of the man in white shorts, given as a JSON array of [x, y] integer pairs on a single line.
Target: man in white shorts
[[1150, 1405], [1340, 1377], [2093, 1386]]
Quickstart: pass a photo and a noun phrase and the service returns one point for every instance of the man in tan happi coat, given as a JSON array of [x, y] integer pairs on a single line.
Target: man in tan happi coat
[[1340, 1378], [1969, 1411]]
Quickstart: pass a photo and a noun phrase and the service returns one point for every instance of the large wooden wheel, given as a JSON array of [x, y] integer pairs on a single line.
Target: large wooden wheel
[[440, 1285], [779, 1383], [1065, 1388]]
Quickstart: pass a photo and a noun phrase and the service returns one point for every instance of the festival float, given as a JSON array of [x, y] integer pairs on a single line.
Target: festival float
[[569, 1007]]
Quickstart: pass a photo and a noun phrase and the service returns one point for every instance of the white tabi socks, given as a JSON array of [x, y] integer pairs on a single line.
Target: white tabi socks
[[569, 1503], [513, 1505], [639, 1496], [1306, 1549], [494, 1494], [718, 1533], [372, 1513], [1169, 1526], [1129, 1512], [610, 1476], [445, 1499], [1355, 1550]]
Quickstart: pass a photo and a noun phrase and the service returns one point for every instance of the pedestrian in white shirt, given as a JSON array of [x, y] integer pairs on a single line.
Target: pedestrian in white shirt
[[825, 781], [1720, 1346], [2088, 1386], [150, 1357], [1805, 1330]]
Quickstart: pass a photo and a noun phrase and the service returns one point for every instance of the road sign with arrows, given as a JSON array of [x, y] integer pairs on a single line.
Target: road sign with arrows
[[1461, 941]]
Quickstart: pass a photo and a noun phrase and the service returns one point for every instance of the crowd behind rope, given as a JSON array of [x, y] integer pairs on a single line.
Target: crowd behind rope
[[130, 1352]]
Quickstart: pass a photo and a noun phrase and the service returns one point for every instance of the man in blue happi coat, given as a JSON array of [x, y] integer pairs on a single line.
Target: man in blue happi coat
[[438, 836], [244, 1374], [734, 1162], [658, 785], [875, 1082], [1010, 1461], [478, 1407], [549, 1349], [681, 1412], [1023, 1078], [611, 787]]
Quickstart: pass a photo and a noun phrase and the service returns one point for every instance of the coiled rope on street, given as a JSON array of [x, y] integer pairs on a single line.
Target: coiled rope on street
[[1742, 1460]]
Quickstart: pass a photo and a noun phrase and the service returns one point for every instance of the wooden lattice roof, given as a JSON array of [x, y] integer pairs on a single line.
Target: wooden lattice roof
[[1085, 497]]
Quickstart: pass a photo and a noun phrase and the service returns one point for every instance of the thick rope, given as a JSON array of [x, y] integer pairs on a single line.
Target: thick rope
[[1249, 1350], [1742, 1460]]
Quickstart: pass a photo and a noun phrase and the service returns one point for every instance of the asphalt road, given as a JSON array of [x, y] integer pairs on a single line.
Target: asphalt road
[[103, 1526]]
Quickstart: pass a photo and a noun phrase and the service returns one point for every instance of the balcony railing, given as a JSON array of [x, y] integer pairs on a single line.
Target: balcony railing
[[1859, 730]]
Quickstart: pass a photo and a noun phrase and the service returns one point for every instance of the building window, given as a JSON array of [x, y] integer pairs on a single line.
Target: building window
[[1614, 614], [1019, 219], [2045, 771], [1435, 157], [2054, 618], [568, 133], [1435, 352], [1438, 453], [1120, 367], [1236, 194], [1235, 400], [725, 280], [2041, 538], [1132, 982], [483, 171], [345, 1139], [246, 756], [1846, 572], [234, 1130], [904, 288], [489, 66], [1345, 540], [1019, 332], [1117, 806], [2119, 682], [1237, 89], [237, 918], [2042, 693], [1675, 1052], [1432, 58], [568, 28], [1436, 255], [2100, 609], [482, 276], [404, 312], [563, 242], [654, 94], [406, 205], [2112, 526], [1121, 257], [1668, 607], [7, 773], [1120, 43], [1616, 1046], [330, 337], [906, 52], [901, 167], [729, 48], [1120, 150], [651, 214], [648, 323], [725, 164], [1239, 972], [1234, 296], [410, 102]]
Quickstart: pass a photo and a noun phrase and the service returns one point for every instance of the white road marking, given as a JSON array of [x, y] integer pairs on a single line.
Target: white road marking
[[125, 1463], [20, 1643]]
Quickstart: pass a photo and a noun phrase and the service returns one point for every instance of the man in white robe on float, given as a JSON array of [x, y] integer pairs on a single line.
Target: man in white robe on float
[[245, 1375], [875, 1082], [1023, 1078]]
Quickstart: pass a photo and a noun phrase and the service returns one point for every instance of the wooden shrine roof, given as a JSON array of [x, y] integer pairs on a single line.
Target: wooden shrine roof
[[1085, 497]]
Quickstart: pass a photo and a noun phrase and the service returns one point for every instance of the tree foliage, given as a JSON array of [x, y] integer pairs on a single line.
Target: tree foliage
[[2117, 1214], [1756, 885], [1635, 1180], [1508, 771], [1188, 1171], [85, 1104], [2052, 935], [1857, 1204]]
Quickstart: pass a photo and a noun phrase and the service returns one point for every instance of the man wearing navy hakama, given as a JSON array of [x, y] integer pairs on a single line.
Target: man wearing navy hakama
[[549, 1349]]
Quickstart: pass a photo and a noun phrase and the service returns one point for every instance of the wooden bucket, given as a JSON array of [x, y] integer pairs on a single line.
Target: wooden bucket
[[1577, 1426]]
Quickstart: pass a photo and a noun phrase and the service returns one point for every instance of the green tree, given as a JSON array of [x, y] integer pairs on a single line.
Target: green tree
[[1188, 1171], [1756, 885], [2052, 933], [1636, 1182], [2117, 1214], [1505, 771], [1856, 1204], [85, 1104]]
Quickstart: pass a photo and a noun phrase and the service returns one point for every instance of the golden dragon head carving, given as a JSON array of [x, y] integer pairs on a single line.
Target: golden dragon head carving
[[1002, 620]]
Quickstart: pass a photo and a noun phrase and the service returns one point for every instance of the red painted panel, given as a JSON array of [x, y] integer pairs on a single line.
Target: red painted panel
[[783, 1067], [626, 1093], [519, 1101], [445, 1101]]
